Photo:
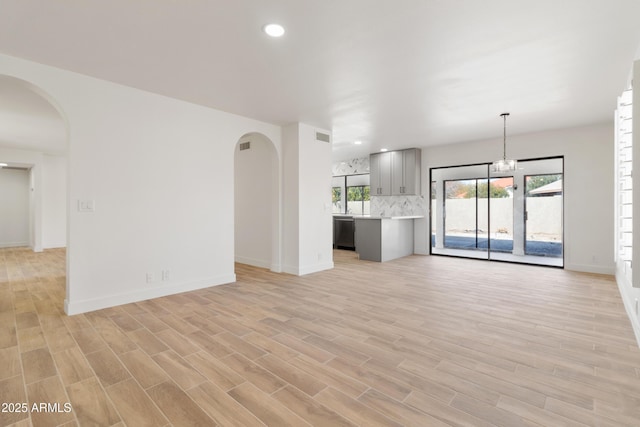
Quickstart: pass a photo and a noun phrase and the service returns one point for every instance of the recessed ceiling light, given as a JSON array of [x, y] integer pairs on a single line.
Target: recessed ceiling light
[[274, 30], [358, 142], [383, 149]]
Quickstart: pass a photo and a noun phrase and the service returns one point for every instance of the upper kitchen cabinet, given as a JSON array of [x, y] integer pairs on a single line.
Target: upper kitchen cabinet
[[380, 174], [395, 173], [405, 170]]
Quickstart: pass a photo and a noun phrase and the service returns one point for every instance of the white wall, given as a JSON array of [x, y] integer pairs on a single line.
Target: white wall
[[256, 185], [54, 208], [308, 240], [316, 226], [14, 207], [291, 208], [588, 174], [160, 174]]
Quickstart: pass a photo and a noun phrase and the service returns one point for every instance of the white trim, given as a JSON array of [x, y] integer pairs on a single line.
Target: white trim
[[15, 245], [276, 268], [624, 284], [291, 269], [586, 268], [78, 307], [308, 269], [252, 261]]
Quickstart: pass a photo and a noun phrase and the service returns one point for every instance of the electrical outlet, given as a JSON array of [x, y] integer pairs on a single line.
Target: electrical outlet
[[165, 275], [151, 277]]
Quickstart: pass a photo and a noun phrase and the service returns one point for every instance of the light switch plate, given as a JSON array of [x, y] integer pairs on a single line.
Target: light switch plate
[[86, 206]]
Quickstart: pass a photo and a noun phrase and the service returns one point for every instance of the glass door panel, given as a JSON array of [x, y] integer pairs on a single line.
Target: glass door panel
[[501, 214], [476, 213], [482, 214], [543, 215], [465, 215], [434, 212]]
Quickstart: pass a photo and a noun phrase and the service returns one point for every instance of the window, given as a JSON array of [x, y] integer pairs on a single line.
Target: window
[[350, 194], [336, 199], [358, 200], [516, 218]]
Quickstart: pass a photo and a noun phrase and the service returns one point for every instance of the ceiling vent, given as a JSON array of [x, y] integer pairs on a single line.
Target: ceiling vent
[[245, 145], [324, 137], [15, 168]]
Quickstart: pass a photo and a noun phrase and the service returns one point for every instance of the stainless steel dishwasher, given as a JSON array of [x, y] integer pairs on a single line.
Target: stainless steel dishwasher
[[343, 232]]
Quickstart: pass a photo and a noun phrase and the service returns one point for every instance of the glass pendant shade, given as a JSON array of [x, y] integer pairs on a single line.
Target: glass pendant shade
[[504, 165]]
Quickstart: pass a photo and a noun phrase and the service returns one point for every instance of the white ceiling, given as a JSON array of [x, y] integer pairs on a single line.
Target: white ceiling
[[389, 73]]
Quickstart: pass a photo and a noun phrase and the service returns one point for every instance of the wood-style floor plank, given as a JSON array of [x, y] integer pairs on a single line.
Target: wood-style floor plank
[[265, 407], [90, 404], [426, 341], [134, 405], [178, 407]]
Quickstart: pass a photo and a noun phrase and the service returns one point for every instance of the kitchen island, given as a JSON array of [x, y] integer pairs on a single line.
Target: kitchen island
[[384, 238]]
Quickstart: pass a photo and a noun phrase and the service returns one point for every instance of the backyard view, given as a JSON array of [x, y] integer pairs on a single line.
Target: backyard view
[[355, 202], [479, 215]]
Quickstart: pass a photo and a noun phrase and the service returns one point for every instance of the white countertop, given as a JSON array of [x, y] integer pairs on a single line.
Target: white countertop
[[387, 217]]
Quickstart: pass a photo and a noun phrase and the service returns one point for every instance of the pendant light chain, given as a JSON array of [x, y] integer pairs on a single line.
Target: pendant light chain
[[504, 139]]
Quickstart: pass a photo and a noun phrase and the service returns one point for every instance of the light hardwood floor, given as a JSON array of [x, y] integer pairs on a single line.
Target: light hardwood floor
[[419, 341]]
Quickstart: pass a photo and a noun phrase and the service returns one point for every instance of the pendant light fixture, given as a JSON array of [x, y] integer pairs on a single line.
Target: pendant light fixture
[[504, 165]]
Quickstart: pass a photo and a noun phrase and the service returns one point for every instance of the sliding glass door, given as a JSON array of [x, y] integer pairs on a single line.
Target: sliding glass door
[[501, 214], [466, 222], [543, 215], [514, 216], [459, 216]]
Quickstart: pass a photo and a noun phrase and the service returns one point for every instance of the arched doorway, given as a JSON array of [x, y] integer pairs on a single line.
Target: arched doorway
[[34, 142], [257, 213]]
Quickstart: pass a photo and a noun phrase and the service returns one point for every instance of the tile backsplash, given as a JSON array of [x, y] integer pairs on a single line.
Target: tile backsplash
[[398, 206], [383, 205], [351, 167]]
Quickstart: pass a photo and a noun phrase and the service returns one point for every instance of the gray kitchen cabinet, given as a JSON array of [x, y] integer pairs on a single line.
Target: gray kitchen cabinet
[[383, 239], [380, 174], [405, 169], [395, 173]]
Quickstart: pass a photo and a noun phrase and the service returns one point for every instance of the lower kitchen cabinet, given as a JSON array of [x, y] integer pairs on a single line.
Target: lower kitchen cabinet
[[383, 239]]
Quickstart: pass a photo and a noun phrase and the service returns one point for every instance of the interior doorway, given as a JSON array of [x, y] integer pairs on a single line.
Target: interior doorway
[[34, 138], [34, 143], [16, 225], [257, 215]]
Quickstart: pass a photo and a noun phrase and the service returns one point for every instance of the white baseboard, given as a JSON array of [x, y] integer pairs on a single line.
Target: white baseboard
[[253, 261], [84, 306], [307, 269], [588, 268], [55, 245], [291, 269], [13, 244], [276, 268], [628, 299]]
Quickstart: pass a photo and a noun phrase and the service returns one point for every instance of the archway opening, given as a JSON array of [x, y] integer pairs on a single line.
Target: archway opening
[[257, 202], [34, 147]]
